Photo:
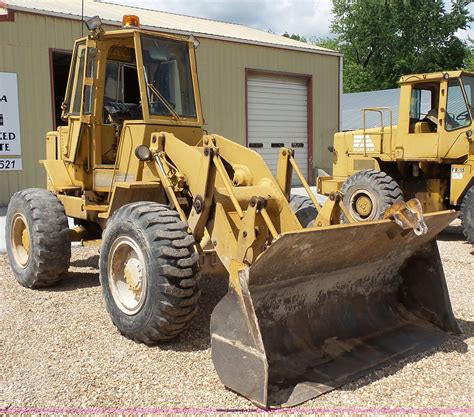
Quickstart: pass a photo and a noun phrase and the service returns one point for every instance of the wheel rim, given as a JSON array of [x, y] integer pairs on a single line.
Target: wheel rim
[[20, 240], [363, 205], [127, 275]]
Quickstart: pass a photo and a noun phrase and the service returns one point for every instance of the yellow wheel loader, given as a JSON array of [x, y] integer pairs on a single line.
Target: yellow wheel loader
[[429, 155], [307, 308]]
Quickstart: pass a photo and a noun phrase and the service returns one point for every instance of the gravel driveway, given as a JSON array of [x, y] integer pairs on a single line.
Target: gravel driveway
[[58, 348]]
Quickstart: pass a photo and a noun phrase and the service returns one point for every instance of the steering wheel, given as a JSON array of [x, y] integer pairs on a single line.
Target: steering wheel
[[463, 116]]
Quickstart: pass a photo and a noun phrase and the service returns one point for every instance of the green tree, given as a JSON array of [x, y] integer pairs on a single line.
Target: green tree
[[295, 37], [328, 43], [469, 61], [384, 39]]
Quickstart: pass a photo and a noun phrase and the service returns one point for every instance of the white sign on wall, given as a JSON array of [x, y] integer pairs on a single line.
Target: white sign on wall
[[9, 123]]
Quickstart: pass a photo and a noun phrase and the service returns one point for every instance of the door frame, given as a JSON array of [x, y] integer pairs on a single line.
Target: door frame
[[51, 79], [309, 112]]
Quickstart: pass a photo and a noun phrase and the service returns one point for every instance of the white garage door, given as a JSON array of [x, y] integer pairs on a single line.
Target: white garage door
[[277, 115]]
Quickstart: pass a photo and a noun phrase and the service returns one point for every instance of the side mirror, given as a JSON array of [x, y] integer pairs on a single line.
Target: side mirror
[[469, 135]]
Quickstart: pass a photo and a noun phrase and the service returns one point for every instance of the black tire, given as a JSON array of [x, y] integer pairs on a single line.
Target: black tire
[[42, 257], [168, 272], [371, 190], [304, 209], [467, 215]]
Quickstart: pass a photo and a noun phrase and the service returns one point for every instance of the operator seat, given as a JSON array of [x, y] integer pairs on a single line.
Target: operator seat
[[115, 114], [422, 127], [123, 111], [430, 122]]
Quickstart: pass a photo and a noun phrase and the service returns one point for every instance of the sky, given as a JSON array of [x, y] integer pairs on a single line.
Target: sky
[[310, 18]]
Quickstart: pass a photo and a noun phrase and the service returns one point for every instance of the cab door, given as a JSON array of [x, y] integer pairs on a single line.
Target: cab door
[[456, 121], [418, 127], [79, 97]]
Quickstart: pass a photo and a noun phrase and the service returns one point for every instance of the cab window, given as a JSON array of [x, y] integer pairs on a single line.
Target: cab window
[[121, 83], [424, 108], [77, 79], [420, 103], [168, 77], [468, 83], [457, 113], [90, 73], [121, 90]]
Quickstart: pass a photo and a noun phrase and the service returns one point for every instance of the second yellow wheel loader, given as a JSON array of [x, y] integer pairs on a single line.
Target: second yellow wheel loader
[[429, 155], [307, 309]]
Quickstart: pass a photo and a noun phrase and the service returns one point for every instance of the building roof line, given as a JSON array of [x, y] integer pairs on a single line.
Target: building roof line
[[171, 13], [224, 37]]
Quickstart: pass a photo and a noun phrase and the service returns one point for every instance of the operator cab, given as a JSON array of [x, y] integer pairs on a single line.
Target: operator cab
[[129, 77], [426, 111]]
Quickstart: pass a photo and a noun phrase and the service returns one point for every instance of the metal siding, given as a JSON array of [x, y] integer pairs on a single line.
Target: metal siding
[[277, 112], [352, 104], [24, 49], [222, 79]]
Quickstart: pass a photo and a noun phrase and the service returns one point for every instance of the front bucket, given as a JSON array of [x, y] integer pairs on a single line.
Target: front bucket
[[322, 307]]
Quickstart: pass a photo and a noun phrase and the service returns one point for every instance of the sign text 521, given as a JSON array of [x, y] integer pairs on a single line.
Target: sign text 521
[[10, 164]]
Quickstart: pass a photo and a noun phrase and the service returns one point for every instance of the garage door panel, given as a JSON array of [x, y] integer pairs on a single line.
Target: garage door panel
[[269, 121], [277, 114], [253, 123], [267, 83], [276, 102], [286, 89], [265, 133], [271, 97], [289, 91], [283, 94], [277, 91], [299, 115], [289, 128], [270, 79], [290, 113], [292, 137], [276, 106]]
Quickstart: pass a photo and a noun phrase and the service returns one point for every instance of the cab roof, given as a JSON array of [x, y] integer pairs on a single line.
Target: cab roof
[[433, 76], [126, 33]]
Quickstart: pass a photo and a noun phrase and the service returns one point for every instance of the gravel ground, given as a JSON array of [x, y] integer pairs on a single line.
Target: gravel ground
[[58, 348]]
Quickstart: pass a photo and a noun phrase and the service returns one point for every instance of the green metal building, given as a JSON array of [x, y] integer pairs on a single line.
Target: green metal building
[[259, 89]]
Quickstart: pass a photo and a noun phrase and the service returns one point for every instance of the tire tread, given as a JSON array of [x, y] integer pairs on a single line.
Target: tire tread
[[387, 188], [51, 244], [467, 215], [172, 246], [304, 209]]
